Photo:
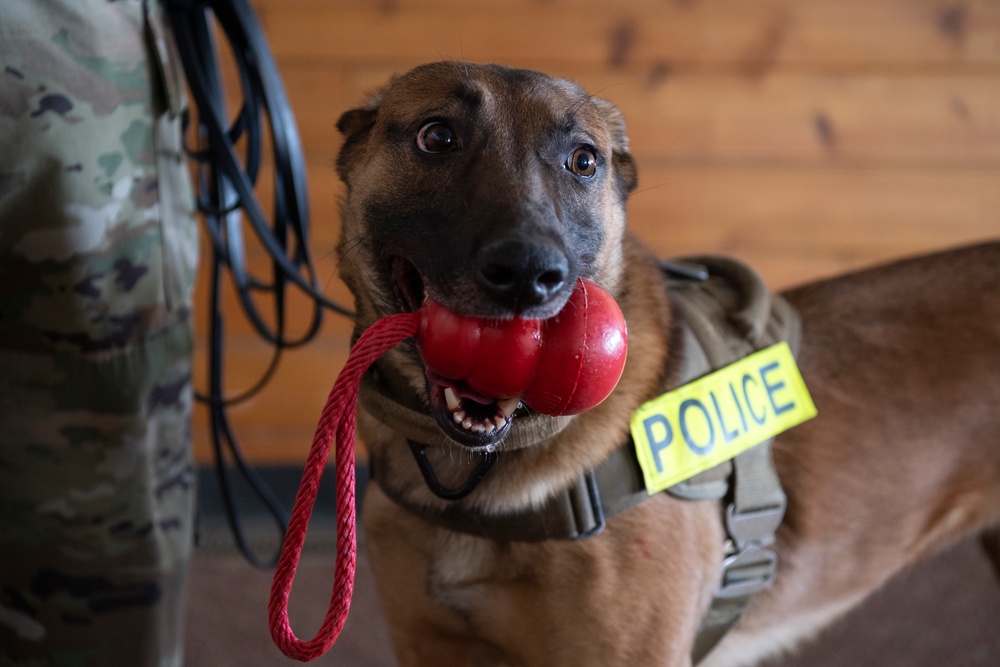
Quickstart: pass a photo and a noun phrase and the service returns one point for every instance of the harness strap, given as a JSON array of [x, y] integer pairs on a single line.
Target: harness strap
[[757, 501], [579, 511]]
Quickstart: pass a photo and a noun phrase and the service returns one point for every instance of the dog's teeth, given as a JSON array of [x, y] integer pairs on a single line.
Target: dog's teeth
[[508, 406], [476, 425], [451, 398]]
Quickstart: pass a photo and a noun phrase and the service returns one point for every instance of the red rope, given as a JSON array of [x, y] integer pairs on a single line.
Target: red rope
[[337, 419]]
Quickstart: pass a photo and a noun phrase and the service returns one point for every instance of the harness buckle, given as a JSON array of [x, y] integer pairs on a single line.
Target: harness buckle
[[753, 567], [747, 573], [754, 527]]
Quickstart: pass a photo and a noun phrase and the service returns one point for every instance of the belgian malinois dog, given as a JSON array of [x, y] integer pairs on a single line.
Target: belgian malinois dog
[[491, 190]]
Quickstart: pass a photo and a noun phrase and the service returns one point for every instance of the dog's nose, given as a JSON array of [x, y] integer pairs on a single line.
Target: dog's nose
[[519, 274]]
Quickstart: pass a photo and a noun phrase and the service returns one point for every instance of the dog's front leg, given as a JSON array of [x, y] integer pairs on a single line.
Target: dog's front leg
[[399, 547], [633, 595]]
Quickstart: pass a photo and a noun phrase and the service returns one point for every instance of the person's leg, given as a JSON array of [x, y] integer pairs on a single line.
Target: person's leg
[[97, 251]]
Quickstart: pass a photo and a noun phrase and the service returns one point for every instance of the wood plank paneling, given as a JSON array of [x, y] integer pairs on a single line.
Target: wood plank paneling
[[865, 119], [752, 34], [802, 224]]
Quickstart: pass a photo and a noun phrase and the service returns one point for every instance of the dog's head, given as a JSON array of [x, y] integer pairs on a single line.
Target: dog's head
[[488, 189]]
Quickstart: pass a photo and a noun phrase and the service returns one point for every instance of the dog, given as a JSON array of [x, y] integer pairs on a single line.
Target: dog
[[490, 190]]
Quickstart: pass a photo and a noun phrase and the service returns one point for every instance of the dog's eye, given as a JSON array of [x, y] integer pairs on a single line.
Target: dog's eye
[[582, 162], [436, 137]]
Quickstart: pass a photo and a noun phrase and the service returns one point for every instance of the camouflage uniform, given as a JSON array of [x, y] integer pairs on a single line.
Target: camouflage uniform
[[98, 246]]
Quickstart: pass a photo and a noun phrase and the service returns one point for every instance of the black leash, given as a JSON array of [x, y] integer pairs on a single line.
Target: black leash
[[226, 184]]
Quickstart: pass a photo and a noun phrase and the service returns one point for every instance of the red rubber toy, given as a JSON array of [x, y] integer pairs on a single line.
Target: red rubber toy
[[560, 366]]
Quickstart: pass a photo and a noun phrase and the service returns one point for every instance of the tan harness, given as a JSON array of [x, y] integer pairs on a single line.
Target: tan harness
[[726, 313]]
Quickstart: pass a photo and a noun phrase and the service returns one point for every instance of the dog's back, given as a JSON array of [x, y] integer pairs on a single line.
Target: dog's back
[[903, 363]]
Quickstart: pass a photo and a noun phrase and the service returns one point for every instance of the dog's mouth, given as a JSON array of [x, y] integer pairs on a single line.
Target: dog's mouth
[[468, 417], [463, 414]]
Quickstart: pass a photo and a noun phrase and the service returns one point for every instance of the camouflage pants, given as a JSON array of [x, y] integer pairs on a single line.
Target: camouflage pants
[[98, 247]]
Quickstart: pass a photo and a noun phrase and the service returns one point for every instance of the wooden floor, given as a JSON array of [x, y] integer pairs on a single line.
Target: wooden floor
[[808, 137]]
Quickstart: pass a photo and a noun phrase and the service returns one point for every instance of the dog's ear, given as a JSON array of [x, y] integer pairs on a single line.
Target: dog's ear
[[356, 122], [355, 126], [621, 158]]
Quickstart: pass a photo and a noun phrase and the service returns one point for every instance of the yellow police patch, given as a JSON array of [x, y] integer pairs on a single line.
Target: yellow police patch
[[712, 419]]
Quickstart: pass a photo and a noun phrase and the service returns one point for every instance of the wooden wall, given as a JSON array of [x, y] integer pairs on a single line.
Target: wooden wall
[[808, 137]]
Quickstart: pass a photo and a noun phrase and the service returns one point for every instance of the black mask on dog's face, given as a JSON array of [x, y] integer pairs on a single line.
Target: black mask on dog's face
[[495, 187]]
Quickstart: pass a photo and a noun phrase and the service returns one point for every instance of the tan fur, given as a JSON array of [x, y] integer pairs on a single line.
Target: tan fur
[[904, 366]]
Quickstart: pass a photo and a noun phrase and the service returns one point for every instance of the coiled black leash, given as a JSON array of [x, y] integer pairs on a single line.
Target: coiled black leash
[[226, 184]]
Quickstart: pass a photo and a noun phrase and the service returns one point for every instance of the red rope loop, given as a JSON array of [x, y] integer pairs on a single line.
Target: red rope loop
[[337, 420]]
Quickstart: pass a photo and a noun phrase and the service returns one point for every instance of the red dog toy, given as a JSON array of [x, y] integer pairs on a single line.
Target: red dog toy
[[560, 366]]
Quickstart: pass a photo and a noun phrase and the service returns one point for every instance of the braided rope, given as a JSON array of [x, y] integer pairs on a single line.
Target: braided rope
[[337, 419]]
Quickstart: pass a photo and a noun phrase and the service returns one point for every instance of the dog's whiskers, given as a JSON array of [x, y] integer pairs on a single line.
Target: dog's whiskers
[[349, 247], [632, 194]]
